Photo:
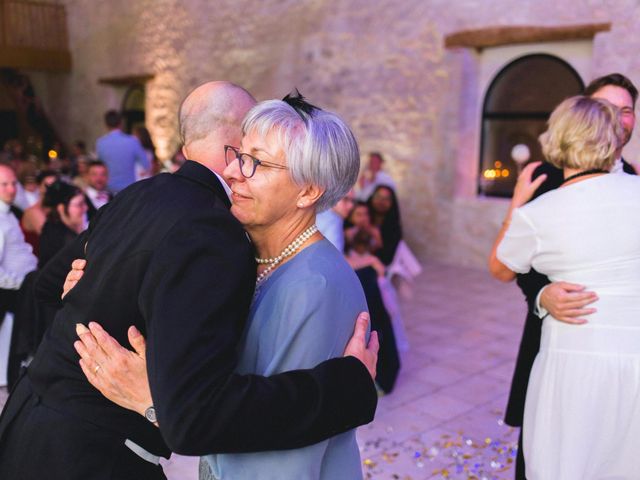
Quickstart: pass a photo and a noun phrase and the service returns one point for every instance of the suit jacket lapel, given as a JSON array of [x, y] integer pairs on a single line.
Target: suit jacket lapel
[[199, 173]]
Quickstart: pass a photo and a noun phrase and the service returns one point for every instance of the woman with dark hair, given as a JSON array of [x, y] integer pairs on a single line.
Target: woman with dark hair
[[359, 219], [385, 214], [143, 135], [65, 220]]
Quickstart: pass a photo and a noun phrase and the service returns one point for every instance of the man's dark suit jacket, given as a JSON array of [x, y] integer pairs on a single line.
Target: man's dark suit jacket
[[531, 283], [167, 256], [91, 208]]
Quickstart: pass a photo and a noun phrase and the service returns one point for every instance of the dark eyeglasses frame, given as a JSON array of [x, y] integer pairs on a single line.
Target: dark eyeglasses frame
[[243, 157]]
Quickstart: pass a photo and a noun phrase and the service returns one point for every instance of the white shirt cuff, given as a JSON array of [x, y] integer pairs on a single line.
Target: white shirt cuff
[[538, 309]]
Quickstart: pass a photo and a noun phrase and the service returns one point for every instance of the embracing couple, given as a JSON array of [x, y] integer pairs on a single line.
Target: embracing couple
[[237, 360]]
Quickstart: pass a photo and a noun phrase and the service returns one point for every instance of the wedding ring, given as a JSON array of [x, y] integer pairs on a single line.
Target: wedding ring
[[95, 370]]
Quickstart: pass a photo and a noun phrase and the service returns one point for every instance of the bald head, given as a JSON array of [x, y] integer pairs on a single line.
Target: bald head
[[210, 118], [8, 184]]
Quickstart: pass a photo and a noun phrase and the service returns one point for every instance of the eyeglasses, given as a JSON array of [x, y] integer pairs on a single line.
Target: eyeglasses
[[248, 163]]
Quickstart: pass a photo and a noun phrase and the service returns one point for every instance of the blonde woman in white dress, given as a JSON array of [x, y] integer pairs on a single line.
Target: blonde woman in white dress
[[582, 412]]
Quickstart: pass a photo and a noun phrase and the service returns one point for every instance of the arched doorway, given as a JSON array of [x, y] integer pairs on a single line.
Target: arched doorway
[[516, 107], [133, 108]]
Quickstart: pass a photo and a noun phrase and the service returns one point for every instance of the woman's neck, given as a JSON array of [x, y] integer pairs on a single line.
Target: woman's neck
[[571, 172], [270, 241]]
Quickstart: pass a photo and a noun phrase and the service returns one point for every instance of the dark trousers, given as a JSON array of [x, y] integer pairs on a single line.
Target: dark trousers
[[520, 460], [388, 364], [38, 442]]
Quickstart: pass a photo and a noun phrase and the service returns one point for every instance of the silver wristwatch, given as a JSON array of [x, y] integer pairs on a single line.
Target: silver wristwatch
[[150, 414]]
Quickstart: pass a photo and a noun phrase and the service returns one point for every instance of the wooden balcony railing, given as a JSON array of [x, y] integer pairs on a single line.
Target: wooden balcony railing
[[33, 35]]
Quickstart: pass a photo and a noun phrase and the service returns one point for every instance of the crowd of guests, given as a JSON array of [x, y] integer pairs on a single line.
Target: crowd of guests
[[365, 225], [47, 202]]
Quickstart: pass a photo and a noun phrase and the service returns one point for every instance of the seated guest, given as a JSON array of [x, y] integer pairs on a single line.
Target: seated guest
[[97, 194], [372, 177], [373, 283], [360, 219], [65, 220], [35, 216], [385, 214], [359, 253]]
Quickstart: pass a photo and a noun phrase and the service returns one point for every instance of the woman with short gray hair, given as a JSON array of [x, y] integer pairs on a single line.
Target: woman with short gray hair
[[295, 160], [582, 415]]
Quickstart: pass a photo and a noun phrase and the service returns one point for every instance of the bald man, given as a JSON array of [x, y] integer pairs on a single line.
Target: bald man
[[167, 256]]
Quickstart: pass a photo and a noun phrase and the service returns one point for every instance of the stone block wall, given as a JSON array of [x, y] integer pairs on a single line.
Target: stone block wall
[[380, 64]]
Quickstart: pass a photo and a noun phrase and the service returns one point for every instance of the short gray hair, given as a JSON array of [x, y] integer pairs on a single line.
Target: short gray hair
[[320, 148], [583, 133]]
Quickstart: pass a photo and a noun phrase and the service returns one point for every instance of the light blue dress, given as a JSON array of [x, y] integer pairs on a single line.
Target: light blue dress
[[303, 314]]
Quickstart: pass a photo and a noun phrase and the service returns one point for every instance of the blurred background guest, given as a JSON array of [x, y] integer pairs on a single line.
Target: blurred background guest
[[120, 152], [360, 219], [34, 217], [372, 176], [385, 214], [176, 161], [16, 261], [331, 222], [65, 220], [359, 253], [143, 136], [30, 185], [96, 192]]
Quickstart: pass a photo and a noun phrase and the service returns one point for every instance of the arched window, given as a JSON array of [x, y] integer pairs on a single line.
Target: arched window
[[516, 107], [133, 108]]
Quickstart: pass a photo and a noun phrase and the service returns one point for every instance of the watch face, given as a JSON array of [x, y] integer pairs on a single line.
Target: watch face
[[150, 414]]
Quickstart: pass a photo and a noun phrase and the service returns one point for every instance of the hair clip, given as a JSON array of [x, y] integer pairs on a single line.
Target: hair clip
[[299, 104]]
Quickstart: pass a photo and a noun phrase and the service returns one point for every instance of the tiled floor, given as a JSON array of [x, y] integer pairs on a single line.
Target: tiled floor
[[443, 421]]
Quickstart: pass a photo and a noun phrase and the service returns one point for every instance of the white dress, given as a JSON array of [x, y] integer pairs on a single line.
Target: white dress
[[582, 412]]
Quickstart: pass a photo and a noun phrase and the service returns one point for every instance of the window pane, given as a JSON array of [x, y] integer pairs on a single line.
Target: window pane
[[499, 172]]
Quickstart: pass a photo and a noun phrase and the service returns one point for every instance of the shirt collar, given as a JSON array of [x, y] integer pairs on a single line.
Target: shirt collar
[[227, 188], [4, 207]]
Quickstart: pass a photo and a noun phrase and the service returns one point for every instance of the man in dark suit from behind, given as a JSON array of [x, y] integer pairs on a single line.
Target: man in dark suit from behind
[[167, 256], [565, 301]]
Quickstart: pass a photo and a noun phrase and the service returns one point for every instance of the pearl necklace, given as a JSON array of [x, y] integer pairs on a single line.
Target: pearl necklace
[[287, 252]]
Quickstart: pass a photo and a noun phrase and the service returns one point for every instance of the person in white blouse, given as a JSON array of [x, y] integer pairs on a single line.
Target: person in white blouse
[[582, 417], [16, 256], [16, 261]]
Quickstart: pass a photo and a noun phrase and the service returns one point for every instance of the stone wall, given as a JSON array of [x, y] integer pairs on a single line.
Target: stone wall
[[381, 65]]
